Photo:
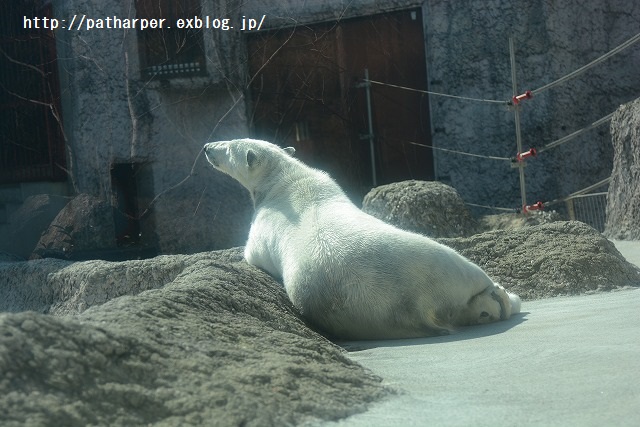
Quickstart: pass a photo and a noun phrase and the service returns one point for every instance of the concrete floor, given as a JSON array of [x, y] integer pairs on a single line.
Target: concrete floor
[[571, 361]]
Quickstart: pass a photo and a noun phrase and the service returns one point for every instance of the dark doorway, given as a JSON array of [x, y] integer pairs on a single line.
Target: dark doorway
[[125, 203], [306, 92]]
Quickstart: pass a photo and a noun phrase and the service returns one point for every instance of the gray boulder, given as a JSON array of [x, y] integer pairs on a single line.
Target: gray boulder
[[60, 287], [208, 339], [509, 221], [27, 224], [623, 197], [561, 258], [26, 286], [84, 224], [430, 208], [218, 344]]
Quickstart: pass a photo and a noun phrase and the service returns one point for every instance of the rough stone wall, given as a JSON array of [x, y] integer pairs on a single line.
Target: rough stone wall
[[468, 54], [623, 199], [289, 13], [113, 115], [97, 122], [467, 51]]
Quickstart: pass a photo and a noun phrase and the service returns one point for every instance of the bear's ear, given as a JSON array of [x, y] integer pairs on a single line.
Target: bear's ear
[[290, 151], [252, 158]]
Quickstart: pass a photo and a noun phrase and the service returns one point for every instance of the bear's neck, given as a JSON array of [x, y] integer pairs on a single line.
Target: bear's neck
[[300, 183]]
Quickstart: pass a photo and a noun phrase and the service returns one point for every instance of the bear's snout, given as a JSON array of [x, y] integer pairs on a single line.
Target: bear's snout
[[209, 151]]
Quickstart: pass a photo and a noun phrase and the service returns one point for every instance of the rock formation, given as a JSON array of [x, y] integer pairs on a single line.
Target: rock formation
[[623, 198], [430, 208], [560, 258], [85, 223], [27, 224], [188, 339], [213, 341]]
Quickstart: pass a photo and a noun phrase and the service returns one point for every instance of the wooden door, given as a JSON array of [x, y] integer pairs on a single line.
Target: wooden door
[[306, 92]]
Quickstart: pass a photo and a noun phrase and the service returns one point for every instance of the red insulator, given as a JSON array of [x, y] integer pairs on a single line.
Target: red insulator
[[531, 153], [535, 207], [516, 99]]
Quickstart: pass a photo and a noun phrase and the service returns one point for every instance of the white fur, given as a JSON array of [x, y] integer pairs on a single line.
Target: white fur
[[350, 274]]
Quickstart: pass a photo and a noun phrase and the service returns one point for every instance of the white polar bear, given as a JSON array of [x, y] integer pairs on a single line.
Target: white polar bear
[[350, 274]]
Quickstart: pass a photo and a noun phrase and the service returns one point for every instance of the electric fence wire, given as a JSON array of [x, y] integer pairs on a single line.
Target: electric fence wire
[[511, 210], [579, 193], [633, 40], [428, 92], [575, 134], [458, 152]]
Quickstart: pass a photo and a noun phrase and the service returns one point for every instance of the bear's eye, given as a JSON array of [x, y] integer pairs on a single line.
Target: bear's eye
[[252, 158], [484, 314]]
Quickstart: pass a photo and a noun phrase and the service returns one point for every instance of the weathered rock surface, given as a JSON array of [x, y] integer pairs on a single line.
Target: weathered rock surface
[[28, 223], [85, 223], [561, 258], [426, 207], [508, 221], [206, 338], [62, 287], [218, 344], [623, 198]]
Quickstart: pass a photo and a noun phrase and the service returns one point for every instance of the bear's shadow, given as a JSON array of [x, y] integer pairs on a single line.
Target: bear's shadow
[[461, 334]]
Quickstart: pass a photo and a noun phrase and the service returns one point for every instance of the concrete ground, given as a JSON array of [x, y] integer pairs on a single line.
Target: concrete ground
[[571, 361]]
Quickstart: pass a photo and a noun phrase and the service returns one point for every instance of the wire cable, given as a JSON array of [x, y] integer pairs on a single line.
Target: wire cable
[[465, 98], [576, 133], [580, 193], [458, 152], [512, 210], [584, 68]]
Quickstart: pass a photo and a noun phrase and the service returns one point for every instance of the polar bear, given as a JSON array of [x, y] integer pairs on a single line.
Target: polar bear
[[351, 275]]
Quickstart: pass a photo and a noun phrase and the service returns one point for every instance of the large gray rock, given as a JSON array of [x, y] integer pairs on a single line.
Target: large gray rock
[[508, 221], [56, 286], [561, 258], [426, 207], [27, 224], [207, 338], [623, 198], [85, 223], [218, 344], [25, 285]]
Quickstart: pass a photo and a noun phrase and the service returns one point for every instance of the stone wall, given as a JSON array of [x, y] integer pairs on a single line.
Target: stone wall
[[289, 13], [114, 115], [467, 47], [468, 54]]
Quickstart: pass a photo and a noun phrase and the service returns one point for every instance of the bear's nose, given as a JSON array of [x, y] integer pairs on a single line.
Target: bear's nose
[[210, 153]]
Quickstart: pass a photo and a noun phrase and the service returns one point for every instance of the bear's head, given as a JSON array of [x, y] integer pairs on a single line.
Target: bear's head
[[246, 160]]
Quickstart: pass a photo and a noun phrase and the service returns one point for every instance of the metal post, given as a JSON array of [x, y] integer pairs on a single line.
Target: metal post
[[370, 131], [571, 209], [516, 112]]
